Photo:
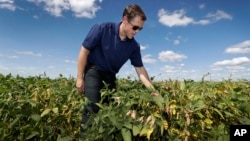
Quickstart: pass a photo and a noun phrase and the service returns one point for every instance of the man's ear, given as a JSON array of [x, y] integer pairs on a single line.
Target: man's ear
[[124, 19]]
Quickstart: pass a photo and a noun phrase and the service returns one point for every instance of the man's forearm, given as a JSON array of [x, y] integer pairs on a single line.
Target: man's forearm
[[143, 76], [82, 62], [146, 81]]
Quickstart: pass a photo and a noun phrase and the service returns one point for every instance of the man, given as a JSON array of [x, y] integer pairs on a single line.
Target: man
[[105, 49]]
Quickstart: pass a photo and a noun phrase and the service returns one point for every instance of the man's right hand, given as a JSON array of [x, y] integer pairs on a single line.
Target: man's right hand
[[80, 85]]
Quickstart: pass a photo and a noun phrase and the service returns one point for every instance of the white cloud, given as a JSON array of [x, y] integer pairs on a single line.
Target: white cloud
[[238, 68], [80, 8], [36, 17], [70, 61], [177, 72], [84, 8], [243, 47], [202, 22], [182, 65], [216, 68], [219, 15], [169, 69], [54, 7], [143, 47], [179, 18], [233, 62], [29, 53], [177, 42], [13, 57], [147, 59], [202, 6], [3, 68], [9, 56], [170, 56], [7, 4], [27, 70], [51, 67]]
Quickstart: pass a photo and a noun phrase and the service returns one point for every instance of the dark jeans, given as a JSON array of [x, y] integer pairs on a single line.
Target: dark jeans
[[94, 79]]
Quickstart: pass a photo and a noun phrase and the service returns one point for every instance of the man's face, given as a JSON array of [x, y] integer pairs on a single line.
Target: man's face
[[133, 26]]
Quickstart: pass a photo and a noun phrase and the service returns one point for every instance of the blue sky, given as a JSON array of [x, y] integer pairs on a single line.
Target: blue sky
[[181, 39]]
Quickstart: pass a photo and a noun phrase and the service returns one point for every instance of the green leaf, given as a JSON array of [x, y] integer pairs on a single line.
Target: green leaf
[[137, 129], [200, 115], [216, 110], [199, 105], [101, 130], [228, 114], [126, 134], [45, 112], [14, 121], [55, 110], [182, 85], [115, 122], [208, 121], [158, 101], [36, 117], [147, 132], [99, 105], [32, 103], [128, 125], [33, 134], [67, 138]]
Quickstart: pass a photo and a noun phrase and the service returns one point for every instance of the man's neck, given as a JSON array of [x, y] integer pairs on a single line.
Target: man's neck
[[122, 34]]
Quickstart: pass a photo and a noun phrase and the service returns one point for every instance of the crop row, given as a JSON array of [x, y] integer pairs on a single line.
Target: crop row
[[40, 108]]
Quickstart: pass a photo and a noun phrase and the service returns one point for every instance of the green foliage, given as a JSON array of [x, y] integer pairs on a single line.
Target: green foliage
[[185, 110], [40, 108]]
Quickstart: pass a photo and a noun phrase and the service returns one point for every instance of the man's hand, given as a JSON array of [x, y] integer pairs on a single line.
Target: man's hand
[[80, 85], [155, 93]]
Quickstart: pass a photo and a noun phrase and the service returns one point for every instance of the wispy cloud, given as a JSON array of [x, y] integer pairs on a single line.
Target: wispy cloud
[[242, 48], [170, 56], [80, 8], [30, 53], [36, 17], [51, 67], [27, 70], [147, 59], [233, 62], [219, 15], [3, 68], [143, 47], [202, 6], [176, 18], [179, 18], [13, 57], [70, 61], [177, 41], [177, 71], [169, 69], [54, 7], [7, 4], [9, 56]]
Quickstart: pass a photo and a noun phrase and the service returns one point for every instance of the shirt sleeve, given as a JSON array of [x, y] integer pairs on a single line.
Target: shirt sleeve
[[136, 59], [93, 37]]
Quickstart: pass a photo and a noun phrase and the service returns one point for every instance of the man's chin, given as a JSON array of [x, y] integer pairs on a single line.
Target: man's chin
[[130, 37]]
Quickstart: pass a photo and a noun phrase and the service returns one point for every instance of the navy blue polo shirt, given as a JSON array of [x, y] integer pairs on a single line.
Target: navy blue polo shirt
[[107, 51]]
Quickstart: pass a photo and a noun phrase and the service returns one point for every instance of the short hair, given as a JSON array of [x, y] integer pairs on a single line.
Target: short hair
[[133, 10]]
